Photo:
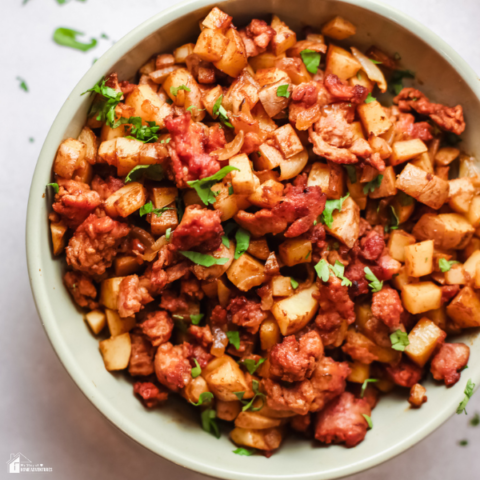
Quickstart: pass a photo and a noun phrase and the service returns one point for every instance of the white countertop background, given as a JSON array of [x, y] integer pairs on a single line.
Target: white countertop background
[[42, 413]]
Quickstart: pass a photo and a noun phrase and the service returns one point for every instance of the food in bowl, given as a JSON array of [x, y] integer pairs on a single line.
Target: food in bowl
[[261, 236]]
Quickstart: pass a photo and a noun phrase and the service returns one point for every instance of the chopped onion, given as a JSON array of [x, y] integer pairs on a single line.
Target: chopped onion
[[372, 71], [231, 148], [291, 167]]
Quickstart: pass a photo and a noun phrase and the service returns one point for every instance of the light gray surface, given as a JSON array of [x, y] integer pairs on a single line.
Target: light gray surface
[[42, 413]]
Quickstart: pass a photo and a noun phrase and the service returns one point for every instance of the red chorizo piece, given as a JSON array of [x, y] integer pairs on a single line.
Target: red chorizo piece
[[187, 150], [358, 350], [200, 228], [172, 302], [172, 365], [149, 393], [301, 423], [156, 274], [372, 245], [355, 272], [450, 359], [74, 202], [406, 373], [82, 289], [298, 397], [216, 139], [246, 313], [94, 244], [203, 335], [201, 355], [342, 421], [448, 292], [107, 187], [191, 288], [132, 296], [261, 34], [449, 118], [157, 327], [247, 345], [294, 360], [334, 295], [387, 306], [343, 92], [218, 316], [141, 358], [406, 125]]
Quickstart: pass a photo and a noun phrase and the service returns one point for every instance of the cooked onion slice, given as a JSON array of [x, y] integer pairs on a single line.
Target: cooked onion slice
[[372, 71], [231, 148]]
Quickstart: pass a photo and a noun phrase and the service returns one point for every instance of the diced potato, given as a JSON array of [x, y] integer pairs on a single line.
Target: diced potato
[[246, 273], [269, 333], [258, 247], [356, 192], [471, 264], [281, 286], [404, 206], [70, 155], [402, 279], [228, 410], [90, 140], [362, 342], [264, 60], [109, 289], [374, 119], [118, 325], [296, 70], [288, 140], [291, 167], [421, 297], [385, 385], [425, 187], [96, 320], [445, 156], [180, 54], [361, 78], [116, 352], [294, 312], [58, 231], [255, 420], [269, 439], [442, 172], [329, 177], [125, 265], [242, 180], [438, 317], [194, 389], [469, 168], [419, 259], [464, 309], [417, 396], [473, 214], [211, 45], [387, 187], [126, 200], [160, 224], [224, 377], [223, 293], [346, 223], [234, 59], [397, 242], [295, 250], [267, 195], [268, 158], [461, 194], [423, 162], [271, 102], [148, 67], [448, 230], [424, 338], [359, 372], [406, 150], [339, 29], [217, 20], [341, 63], [148, 105], [225, 203], [283, 39], [456, 275]]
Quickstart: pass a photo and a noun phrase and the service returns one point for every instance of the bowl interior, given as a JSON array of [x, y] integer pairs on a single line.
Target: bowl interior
[[174, 431]]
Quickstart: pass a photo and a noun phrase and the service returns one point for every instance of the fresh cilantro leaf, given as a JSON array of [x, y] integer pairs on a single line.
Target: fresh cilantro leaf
[[365, 384], [106, 107], [217, 105], [339, 269], [307, 255], [153, 172], [293, 283], [351, 172], [174, 90], [396, 81], [31, 139], [54, 186], [67, 37], [399, 340], [242, 238], [244, 451], [219, 110], [404, 199], [248, 405], [191, 107], [209, 424], [104, 36], [144, 133], [373, 185], [230, 189], [251, 365], [234, 339], [168, 233], [468, 394], [226, 241], [330, 206], [463, 443], [203, 187], [394, 220], [23, 84], [196, 318], [282, 91], [375, 284], [323, 270], [445, 265], [197, 371], [203, 259], [370, 98], [205, 397], [475, 421], [311, 59], [376, 62], [368, 419], [148, 208], [239, 395]]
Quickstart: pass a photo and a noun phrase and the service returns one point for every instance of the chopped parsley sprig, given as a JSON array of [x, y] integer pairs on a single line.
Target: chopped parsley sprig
[[204, 186]]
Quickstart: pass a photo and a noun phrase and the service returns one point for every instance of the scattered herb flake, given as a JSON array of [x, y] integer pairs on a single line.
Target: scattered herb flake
[[463, 443], [311, 59], [376, 62], [54, 186], [23, 84], [242, 238], [209, 424], [230, 189], [152, 172], [203, 259], [365, 384], [370, 98], [67, 37], [368, 419], [226, 241], [475, 421], [445, 265], [205, 397], [234, 339], [31, 139], [323, 270], [371, 186], [404, 199], [375, 284], [204, 186], [330, 206], [168, 233], [196, 318], [293, 283], [197, 371], [399, 340], [244, 451], [105, 108], [251, 365], [396, 81], [351, 172], [248, 404], [282, 91], [468, 394], [174, 90]]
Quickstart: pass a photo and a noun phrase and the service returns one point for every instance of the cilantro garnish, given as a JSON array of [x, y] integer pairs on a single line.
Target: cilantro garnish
[[375, 284], [376, 62], [191, 107], [399, 340], [394, 220], [168, 233], [248, 405], [197, 370], [351, 172], [54, 186], [323, 269], [282, 91], [23, 84], [242, 239], [475, 421], [370, 98], [148, 208], [205, 397], [66, 37], [396, 81], [203, 259], [226, 241], [330, 206], [144, 133], [105, 108], [174, 90], [203, 186], [234, 339], [371, 186], [368, 419], [365, 384], [311, 59], [153, 172], [230, 189], [251, 365], [293, 283], [445, 265], [244, 451], [219, 110], [31, 139], [196, 318], [463, 443], [468, 394], [208, 421]]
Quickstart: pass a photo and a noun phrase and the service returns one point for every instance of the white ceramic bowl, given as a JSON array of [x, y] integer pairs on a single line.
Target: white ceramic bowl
[[174, 431]]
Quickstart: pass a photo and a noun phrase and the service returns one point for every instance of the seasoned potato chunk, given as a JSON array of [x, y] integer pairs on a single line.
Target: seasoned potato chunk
[[269, 333], [284, 38], [341, 63], [148, 105], [246, 273], [211, 45], [116, 352], [243, 179], [228, 410], [473, 214], [461, 193], [419, 259], [339, 29], [234, 59], [387, 186], [58, 231], [295, 251], [421, 297], [268, 439], [424, 338], [397, 243], [256, 421], [118, 325], [464, 309], [109, 289], [374, 119], [445, 156], [346, 223], [330, 178], [126, 200], [96, 320], [70, 156], [406, 150], [359, 372], [288, 140]]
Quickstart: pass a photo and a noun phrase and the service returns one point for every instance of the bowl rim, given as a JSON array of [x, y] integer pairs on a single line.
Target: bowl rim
[[35, 259]]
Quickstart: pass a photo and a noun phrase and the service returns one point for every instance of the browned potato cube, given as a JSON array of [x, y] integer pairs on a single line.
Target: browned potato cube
[[442, 172], [402, 279], [445, 156], [397, 242], [387, 187], [346, 223], [471, 264], [126, 200], [359, 372], [109, 289], [288, 140], [255, 420], [242, 179], [424, 338], [406, 150], [469, 168], [268, 157], [456, 275], [234, 59], [464, 309], [419, 259], [161, 223], [281, 286], [341, 63], [148, 105], [284, 37], [211, 45], [246, 273], [291, 167], [269, 333], [339, 29], [269, 439], [267, 195], [96, 321], [90, 140], [228, 410], [329, 177], [272, 103], [58, 231], [424, 187], [473, 214], [374, 119], [424, 162], [224, 202], [421, 297], [180, 54], [295, 251], [118, 325], [258, 247], [417, 396], [125, 265], [70, 155], [356, 192], [264, 60], [217, 20], [116, 352], [461, 193]]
